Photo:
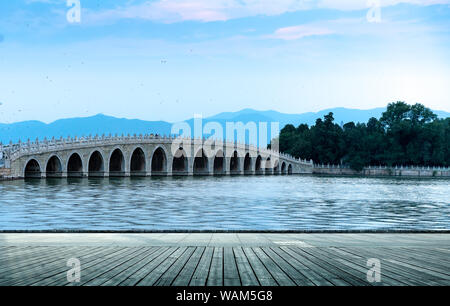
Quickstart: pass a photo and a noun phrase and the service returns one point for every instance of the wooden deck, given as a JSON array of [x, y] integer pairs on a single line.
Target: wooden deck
[[225, 259]]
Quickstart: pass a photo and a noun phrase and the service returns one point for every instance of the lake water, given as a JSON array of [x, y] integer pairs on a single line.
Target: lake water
[[226, 203]]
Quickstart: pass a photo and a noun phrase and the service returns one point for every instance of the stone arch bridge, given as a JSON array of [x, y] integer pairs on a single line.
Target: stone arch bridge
[[144, 155]]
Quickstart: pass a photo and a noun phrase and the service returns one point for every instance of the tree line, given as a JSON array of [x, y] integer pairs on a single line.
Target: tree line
[[404, 135]]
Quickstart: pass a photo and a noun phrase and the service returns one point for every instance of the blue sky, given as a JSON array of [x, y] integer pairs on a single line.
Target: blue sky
[[170, 59]]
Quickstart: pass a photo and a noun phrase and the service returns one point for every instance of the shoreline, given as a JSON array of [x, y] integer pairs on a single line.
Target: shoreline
[[367, 231], [317, 174]]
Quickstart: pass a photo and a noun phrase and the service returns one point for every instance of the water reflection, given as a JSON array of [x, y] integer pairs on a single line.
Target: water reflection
[[238, 202]]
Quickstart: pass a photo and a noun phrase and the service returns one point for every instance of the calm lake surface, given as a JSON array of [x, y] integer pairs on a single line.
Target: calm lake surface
[[226, 203]]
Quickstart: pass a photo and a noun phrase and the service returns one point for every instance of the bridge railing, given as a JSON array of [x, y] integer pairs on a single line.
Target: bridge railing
[[14, 151], [381, 167]]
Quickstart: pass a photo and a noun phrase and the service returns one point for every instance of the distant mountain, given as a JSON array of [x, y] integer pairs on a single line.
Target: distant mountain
[[98, 124], [102, 124], [341, 114]]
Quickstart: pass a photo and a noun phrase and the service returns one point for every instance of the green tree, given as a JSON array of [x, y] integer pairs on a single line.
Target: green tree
[[404, 135]]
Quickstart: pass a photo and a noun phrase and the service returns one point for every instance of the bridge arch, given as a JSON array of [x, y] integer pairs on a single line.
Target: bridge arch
[[32, 169], [180, 162], [258, 165], [283, 168], [74, 165], [116, 163], [276, 166], [96, 167], [159, 161], [137, 162], [290, 169], [268, 166], [219, 162], [200, 165], [247, 163], [234, 162], [54, 167]]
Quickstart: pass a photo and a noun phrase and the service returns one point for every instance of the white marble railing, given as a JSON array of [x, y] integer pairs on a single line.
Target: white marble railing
[[14, 151], [407, 167]]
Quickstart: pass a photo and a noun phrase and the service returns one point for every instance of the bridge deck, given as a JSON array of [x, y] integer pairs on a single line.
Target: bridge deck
[[225, 259]]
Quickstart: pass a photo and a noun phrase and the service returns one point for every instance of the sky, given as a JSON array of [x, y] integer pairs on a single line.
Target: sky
[[171, 59]]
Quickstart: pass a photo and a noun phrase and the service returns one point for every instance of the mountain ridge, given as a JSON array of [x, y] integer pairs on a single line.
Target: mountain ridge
[[104, 124]]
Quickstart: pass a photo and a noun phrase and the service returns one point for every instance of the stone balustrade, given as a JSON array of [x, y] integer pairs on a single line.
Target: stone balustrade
[[118, 156], [397, 170]]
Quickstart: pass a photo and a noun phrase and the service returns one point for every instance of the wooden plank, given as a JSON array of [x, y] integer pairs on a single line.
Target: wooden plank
[[411, 263], [201, 272], [139, 275], [153, 276], [230, 270], [433, 264], [323, 263], [215, 275], [58, 274], [11, 249], [419, 273], [153, 253], [295, 275], [135, 258], [357, 269], [246, 273], [443, 250], [10, 253], [264, 277], [278, 274], [35, 258], [315, 273], [424, 263], [6, 247], [169, 276], [184, 277], [352, 273], [23, 255], [394, 273], [292, 258], [102, 267], [432, 254], [36, 272], [18, 268]]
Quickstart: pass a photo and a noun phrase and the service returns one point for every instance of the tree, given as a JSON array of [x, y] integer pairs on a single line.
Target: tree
[[395, 113], [419, 114], [405, 134]]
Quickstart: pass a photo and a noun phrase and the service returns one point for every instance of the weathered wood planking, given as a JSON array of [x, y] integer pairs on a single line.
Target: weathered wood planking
[[285, 265]]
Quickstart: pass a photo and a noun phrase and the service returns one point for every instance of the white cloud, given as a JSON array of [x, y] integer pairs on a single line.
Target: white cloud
[[351, 27], [170, 11], [363, 4], [297, 32], [42, 1]]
